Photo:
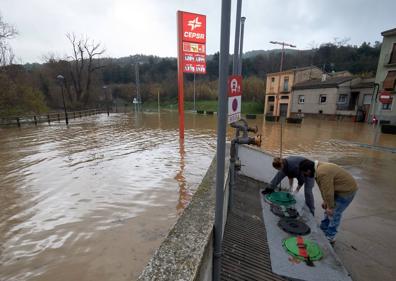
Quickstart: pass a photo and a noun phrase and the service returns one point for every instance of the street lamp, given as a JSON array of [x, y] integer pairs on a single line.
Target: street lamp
[[107, 101], [61, 81], [243, 19]]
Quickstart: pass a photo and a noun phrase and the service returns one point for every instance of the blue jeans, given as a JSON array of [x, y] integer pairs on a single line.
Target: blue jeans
[[330, 225]]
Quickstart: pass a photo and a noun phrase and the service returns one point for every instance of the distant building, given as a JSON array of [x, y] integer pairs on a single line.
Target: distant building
[[279, 86], [386, 79], [335, 97]]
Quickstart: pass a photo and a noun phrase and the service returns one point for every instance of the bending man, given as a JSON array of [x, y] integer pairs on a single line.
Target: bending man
[[338, 188], [290, 167]]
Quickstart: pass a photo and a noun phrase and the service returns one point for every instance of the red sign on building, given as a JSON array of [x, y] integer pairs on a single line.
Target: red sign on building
[[192, 40], [385, 97]]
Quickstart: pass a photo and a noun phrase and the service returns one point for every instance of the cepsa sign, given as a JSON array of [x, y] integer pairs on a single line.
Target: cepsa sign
[[192, 40], [194, 27]]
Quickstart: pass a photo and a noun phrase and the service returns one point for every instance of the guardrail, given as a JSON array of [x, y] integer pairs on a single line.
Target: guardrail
[[48, 118]]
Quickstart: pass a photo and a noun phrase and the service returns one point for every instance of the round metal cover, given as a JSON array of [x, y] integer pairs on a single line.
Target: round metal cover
[[282, 211], [294, 226], [312, 249], [281, 198]]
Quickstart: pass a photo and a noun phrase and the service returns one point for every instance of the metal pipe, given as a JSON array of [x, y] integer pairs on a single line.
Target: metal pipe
[[137, 85], [241, 45], [64, 106], [221, 133], [237, 33], [194, 90]]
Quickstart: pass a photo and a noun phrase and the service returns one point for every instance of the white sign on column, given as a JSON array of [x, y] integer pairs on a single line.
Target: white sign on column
[[234, 98]]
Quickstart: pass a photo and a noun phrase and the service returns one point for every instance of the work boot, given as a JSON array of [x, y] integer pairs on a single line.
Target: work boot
[[331, 241]]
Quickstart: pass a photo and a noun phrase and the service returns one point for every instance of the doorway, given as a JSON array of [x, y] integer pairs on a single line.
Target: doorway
[[283, 109]]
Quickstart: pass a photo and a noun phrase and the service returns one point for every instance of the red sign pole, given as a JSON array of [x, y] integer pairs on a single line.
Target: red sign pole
[[180, 76], [191, 45]]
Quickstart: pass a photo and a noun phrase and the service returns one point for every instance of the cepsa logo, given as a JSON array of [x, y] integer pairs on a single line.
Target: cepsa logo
[[194, 28]]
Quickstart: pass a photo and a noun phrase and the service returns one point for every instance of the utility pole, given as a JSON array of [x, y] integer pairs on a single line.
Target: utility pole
[[241, 45], [277, 98], [221, 134], [283, 44]]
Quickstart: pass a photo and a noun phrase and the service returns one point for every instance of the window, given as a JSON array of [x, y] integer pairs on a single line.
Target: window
[[386, 106], [301, 99], [284, 97], [271, 98], [322, 99], [286, 84], [342, 98], [367, 99], [272, 79], [390, 81], [271, 108], [393, 55]]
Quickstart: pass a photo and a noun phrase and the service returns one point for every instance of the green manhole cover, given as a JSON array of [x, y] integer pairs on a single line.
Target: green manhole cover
[[302, 249], [281, 198]]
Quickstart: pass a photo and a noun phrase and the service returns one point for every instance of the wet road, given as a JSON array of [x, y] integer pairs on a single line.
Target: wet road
[[94, 200]]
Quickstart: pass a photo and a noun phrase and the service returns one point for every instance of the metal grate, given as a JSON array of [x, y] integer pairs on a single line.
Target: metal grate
[[245, 248]]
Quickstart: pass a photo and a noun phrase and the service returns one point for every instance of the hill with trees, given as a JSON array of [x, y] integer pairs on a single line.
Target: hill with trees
[[33, 88]]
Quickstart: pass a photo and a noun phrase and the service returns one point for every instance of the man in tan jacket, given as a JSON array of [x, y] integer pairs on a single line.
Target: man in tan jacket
[[338, 188]]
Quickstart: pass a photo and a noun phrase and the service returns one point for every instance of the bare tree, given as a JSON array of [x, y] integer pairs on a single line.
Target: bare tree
[[83, 64], [7, 32], [341, 41]]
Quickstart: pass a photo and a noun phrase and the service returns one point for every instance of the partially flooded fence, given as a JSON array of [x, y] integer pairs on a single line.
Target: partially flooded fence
[[48, 117]]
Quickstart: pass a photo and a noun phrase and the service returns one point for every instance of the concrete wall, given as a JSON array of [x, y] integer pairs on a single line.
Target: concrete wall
[[313, 73], [332, 105], [311, 104], [256, 165], [382, 71], [274, 88]]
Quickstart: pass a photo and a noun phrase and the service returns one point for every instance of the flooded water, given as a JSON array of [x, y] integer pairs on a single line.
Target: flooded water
[[92, 201]]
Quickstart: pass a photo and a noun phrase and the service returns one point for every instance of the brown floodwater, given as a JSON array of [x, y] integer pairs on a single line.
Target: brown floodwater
[[93, 201]]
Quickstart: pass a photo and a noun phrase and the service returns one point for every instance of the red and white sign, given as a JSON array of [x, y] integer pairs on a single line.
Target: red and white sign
[[385, 97], [194, 28], [192, 40], [234, 86]]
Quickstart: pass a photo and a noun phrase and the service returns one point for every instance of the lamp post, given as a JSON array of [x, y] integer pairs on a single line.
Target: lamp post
[[106, 98], [241, 45], [61, 81]]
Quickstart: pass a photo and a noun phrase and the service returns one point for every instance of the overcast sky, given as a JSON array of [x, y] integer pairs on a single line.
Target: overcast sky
[[128, 27]]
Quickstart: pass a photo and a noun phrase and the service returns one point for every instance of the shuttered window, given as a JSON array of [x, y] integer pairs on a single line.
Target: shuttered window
[[389, 82], [393, 55]]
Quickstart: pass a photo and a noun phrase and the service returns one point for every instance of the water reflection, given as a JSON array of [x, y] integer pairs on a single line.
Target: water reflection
[[184, 194]]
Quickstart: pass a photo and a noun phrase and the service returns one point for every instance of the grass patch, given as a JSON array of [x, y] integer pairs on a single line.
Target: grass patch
[[207, 105]]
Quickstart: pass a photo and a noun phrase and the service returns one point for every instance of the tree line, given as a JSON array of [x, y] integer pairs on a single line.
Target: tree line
[[35, 87]]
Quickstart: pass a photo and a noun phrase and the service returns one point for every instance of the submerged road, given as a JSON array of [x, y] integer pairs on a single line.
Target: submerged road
[[94, 200]]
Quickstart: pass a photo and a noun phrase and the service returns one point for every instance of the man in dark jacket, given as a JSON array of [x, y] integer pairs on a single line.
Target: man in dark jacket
[[290, 167]]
